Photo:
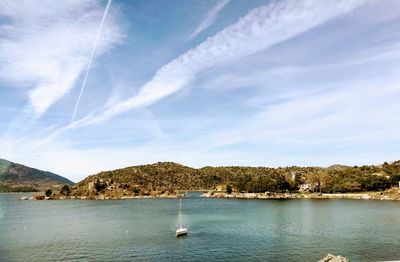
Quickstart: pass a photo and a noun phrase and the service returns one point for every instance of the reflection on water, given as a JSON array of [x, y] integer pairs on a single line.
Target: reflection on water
[[219, 229]]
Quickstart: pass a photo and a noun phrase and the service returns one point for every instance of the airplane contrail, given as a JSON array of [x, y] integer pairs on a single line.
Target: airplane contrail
[[91, 60]]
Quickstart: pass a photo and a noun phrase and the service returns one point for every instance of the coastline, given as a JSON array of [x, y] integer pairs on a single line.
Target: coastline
[[392, 194], [100, 197], [97, 197]]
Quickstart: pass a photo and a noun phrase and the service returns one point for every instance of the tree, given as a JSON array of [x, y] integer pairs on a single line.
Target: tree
[[228, 189], [65, 190], [48, 192], [326, 182], [319, 180], [136, 190], [395, 179], [351, 187], [99, 186], [282, 184]]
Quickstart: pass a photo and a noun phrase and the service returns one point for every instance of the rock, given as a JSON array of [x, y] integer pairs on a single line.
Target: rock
[[332, 258]]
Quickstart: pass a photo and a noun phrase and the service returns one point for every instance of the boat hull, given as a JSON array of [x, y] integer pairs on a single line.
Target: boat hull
[[181, 232]]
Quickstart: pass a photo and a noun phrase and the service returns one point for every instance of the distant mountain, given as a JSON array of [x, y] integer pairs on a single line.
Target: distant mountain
[[19, 178]]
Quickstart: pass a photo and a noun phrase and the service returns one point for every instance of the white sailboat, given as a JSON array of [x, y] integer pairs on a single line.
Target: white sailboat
[[182, 230]]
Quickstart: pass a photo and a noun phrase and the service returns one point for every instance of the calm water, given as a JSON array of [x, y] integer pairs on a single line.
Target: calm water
[[220, 229]]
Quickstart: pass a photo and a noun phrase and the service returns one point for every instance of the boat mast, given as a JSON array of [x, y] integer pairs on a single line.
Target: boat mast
[[180, 212]]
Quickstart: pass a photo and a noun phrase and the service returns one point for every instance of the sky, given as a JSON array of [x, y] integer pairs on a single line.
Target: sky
[[92, 85]]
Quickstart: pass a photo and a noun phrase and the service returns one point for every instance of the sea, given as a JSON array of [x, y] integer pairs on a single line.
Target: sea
[[219, 229]]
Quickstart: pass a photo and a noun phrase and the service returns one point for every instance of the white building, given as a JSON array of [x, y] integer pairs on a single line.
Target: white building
[[305, 187]]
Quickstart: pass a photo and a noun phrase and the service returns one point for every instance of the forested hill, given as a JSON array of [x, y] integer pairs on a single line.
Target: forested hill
[[168, 176], [16, 178]]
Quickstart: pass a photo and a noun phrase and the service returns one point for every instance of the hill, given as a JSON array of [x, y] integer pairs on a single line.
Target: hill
[[168, 177], [19, 178]]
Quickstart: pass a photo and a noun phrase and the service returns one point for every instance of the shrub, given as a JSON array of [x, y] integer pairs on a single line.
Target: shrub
[[228, 189], [48, 192], [99, 186], [65, 190], [40, 197]]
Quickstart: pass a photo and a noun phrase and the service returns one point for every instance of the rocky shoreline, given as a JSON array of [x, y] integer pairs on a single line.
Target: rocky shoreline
[[99, 197], [391, 194]]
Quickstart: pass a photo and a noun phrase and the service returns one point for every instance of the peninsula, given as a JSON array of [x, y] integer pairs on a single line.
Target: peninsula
[[167, 179]]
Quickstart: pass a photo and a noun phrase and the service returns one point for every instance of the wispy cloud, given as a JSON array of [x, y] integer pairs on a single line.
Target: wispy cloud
[[44, 46], [259, 29], [353, 116], [209, 19]]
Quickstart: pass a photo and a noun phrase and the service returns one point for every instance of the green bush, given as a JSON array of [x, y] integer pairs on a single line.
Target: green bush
[[65, 190], [228, 189], [48, 192]]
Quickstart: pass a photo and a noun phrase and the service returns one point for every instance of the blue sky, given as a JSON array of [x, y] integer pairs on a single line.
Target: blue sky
[[211, 82]]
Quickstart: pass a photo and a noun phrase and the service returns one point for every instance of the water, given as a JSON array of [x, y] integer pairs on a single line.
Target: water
[[219, 230]]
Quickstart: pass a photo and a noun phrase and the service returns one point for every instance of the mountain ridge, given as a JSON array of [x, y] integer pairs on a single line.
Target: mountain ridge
[[19, 177]]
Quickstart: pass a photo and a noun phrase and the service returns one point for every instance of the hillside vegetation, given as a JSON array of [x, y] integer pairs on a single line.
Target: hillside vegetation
[[168, 177], [19, 178]]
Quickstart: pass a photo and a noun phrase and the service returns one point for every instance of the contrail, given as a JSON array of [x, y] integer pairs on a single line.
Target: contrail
[[91, 60]]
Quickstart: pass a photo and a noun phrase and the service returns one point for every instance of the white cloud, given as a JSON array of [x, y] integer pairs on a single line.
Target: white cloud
[[258, 30], [209, 18], [45, 45], [350, 117]]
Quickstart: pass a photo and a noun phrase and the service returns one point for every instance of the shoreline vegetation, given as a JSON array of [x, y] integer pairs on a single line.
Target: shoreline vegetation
[[168, 180], [391, 194]]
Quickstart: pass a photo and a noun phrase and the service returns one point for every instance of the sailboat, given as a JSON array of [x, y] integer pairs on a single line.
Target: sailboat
[[182, 230]]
